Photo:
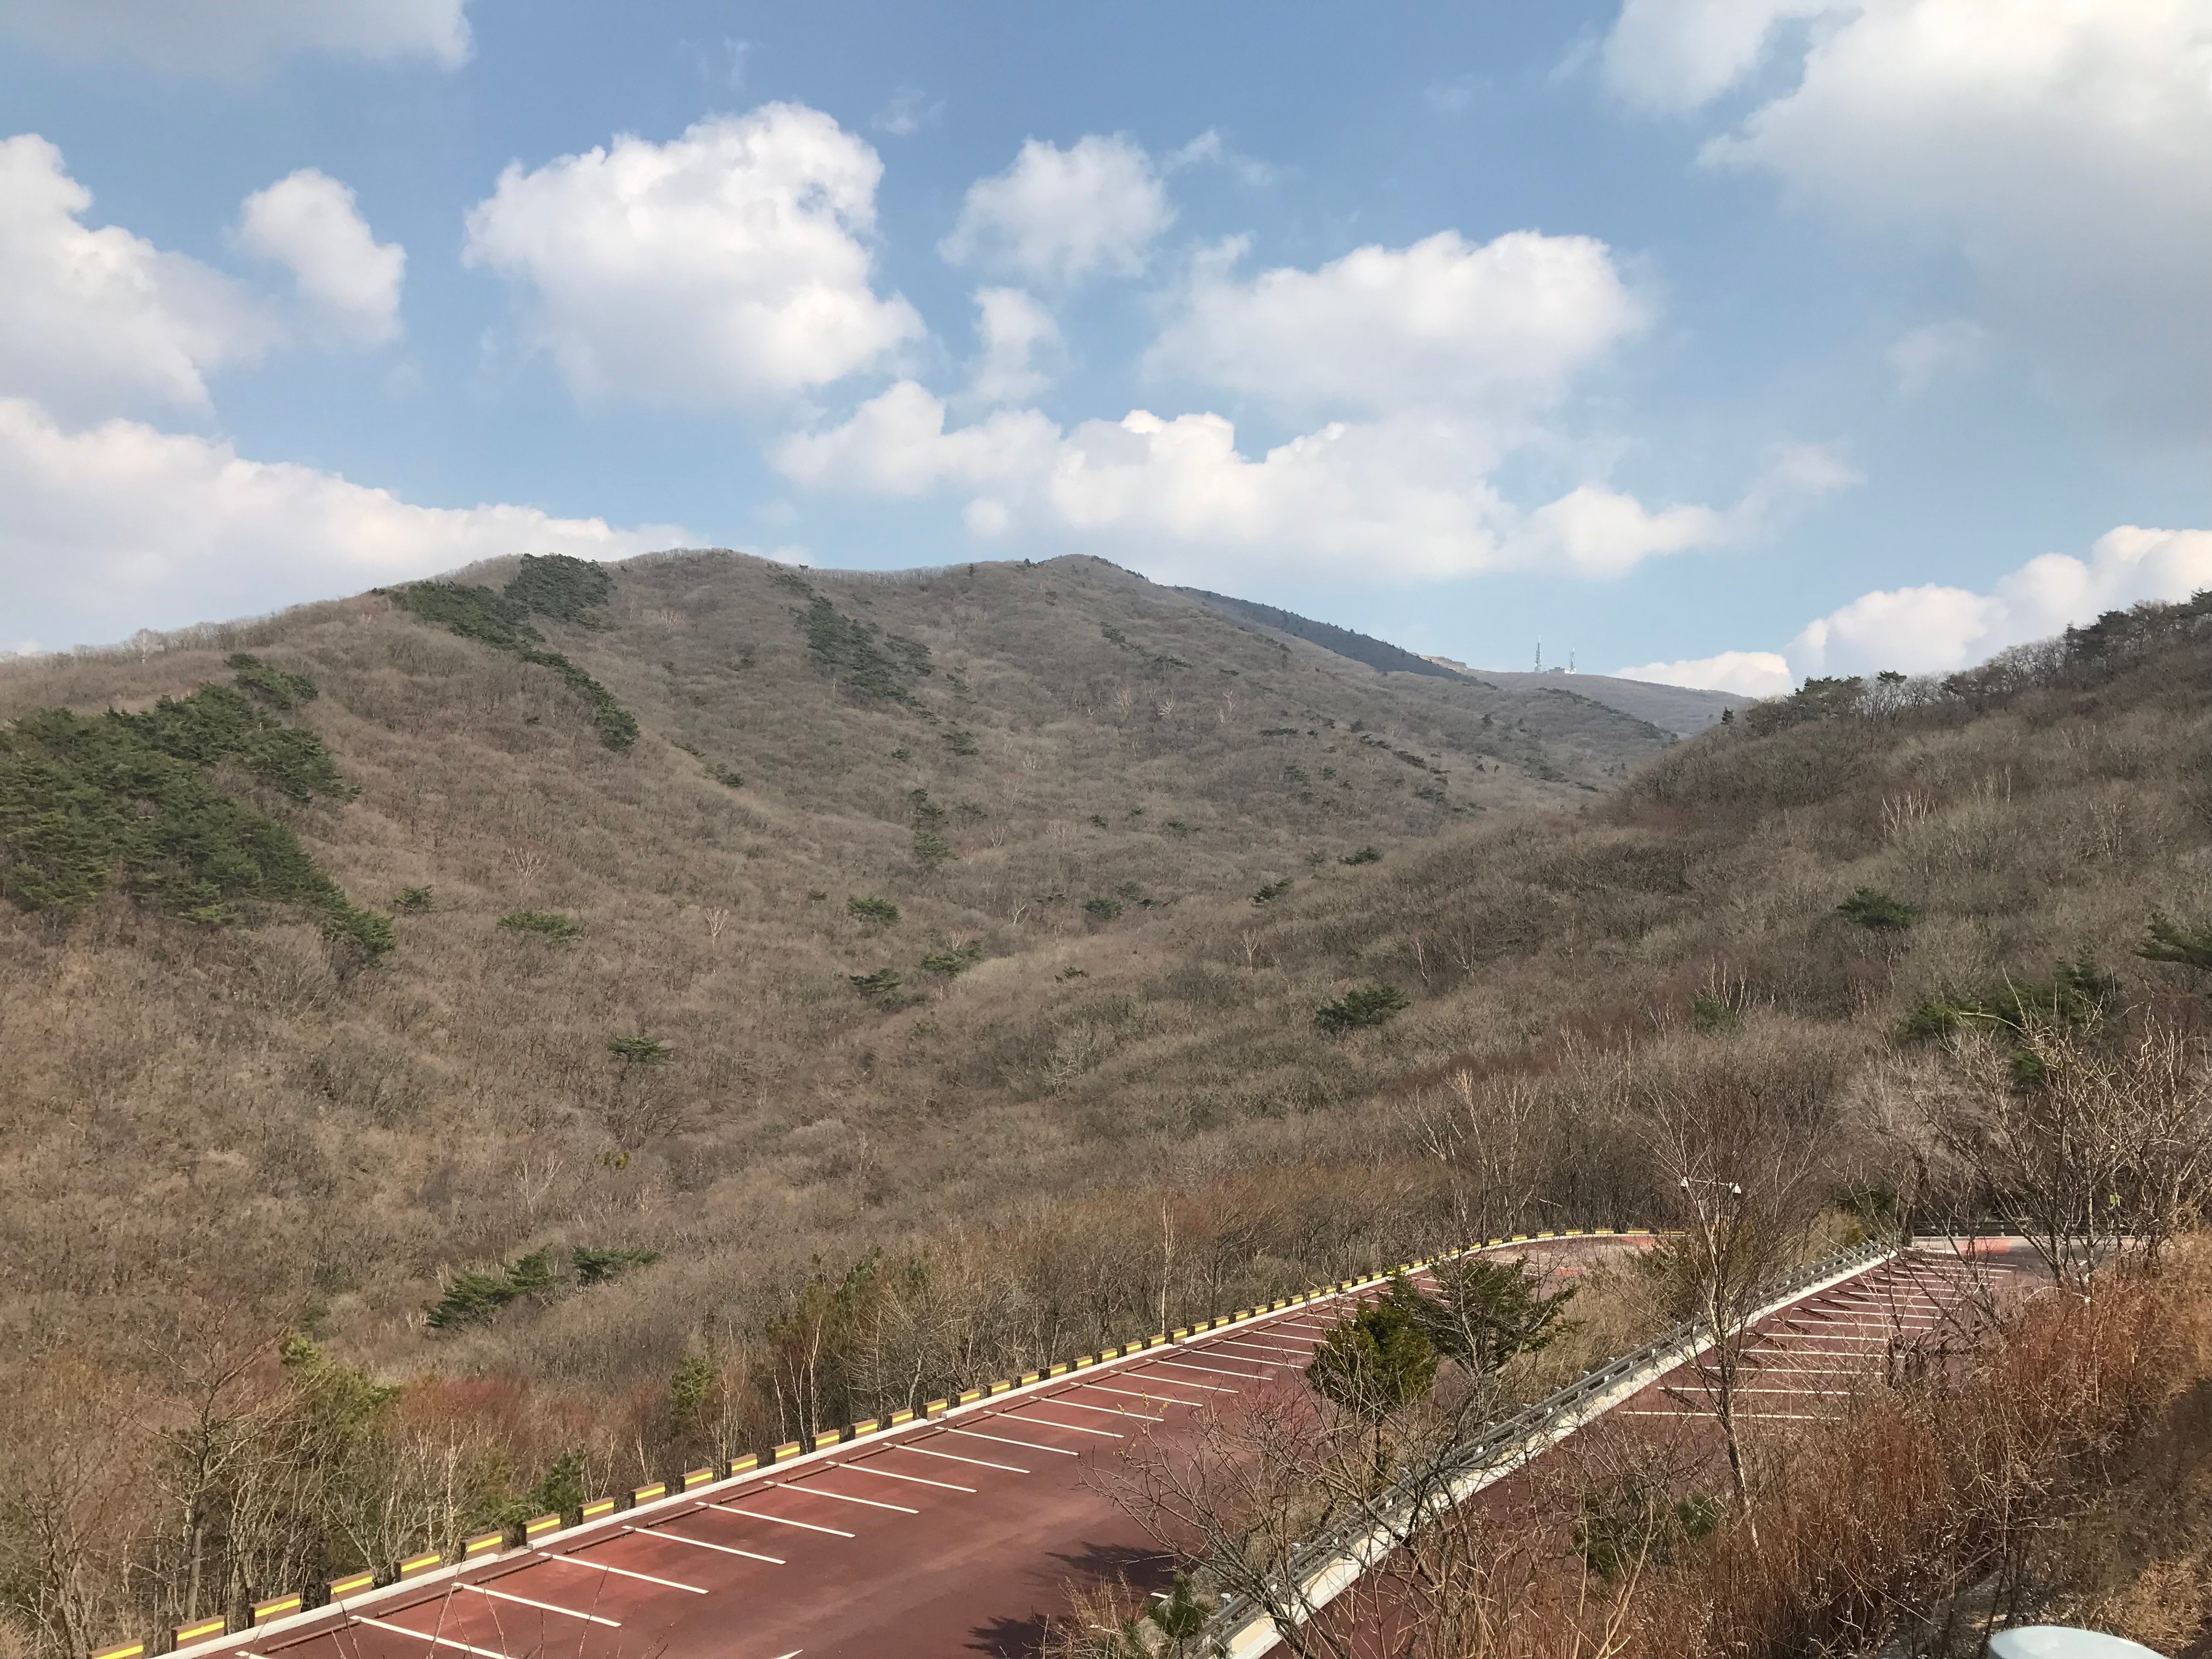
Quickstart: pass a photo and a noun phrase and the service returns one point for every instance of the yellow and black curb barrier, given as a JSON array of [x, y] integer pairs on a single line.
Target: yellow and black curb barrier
[[534, 1531]]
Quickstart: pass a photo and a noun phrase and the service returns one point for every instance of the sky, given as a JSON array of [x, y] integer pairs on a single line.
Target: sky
[[1718, 341]]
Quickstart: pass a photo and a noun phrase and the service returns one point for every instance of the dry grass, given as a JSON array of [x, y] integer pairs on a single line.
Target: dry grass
[[232, 1116]]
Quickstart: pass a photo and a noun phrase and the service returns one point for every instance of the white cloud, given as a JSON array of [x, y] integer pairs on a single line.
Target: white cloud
[[1678, 55], [119, 527], [1746, 673], [1209, 149], [234, 37], [1014, 331], [907, 113], [726, 266], [1933, 629], [307, 221], [1501, 326], [1059, 214], [1403, 497], [2059, 145], [98, 320], [1926, 355]]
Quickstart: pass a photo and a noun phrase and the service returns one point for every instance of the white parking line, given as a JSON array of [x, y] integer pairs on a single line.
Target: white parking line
[[845, 1496], [919, 1480], [1211, 1388], [1262, 1347], [425, 1635], [781, 1520], [1138, 1394], [509, 1596], [1110, 1411], [981, 1463], [977, 1434], [1185, 1365], [701, 1543], [1053, 1422], [619, 1572]]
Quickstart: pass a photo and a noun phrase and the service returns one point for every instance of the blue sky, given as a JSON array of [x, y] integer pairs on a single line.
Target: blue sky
[[1723, 340]]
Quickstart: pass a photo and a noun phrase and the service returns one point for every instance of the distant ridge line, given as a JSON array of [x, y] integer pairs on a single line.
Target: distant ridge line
[[1379, 654]]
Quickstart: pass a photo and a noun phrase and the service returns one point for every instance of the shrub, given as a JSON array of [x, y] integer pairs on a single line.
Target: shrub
[[640, 1052], [1364, 855], [881, 911], [1361, 1009], [597, 1267], [961, 742], [1870, 908], [2077, 994], [561, 928], [2165, 941], [471, 1298], [885, 983], [272, 686], [1101, 908], [1712, 1014], [734, 779], [413, 900], [1631, 1525], [957, 961]]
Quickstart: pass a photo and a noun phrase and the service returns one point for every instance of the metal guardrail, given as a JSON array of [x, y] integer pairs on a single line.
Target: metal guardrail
[[1397, 1511]]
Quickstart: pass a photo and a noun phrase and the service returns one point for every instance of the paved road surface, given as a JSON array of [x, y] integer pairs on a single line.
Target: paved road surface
[[955, 1537]]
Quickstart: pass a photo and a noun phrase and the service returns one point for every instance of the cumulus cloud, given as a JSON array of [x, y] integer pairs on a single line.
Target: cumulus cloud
[[726, 266], [119, 526], [99, 319], [1015, 333], [1746, 673], [2059, 144], [1502, 326], [349, 281], [235, 36], [1932, 628], [1057, 216], [1399, 495]]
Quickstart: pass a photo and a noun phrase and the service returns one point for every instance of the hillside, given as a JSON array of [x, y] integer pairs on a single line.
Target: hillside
[[639, 1091], [965, 791], [1684, 710]]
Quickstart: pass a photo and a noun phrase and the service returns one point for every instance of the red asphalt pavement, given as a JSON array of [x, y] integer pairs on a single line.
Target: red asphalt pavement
[[951, 1537], [1800, 1364]]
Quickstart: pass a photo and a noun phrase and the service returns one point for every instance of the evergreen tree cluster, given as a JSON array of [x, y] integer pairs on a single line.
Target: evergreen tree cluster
[[567, 589], [472, 1297], [87, 801]]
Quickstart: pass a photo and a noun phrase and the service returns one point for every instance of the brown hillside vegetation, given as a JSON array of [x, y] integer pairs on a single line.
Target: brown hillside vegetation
[[859, 1031]]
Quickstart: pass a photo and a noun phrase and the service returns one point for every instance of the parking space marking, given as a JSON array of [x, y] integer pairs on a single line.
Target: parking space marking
[[1138, 1394], [1185, 1365], [977, 1434], [621, 1572], [701, 1543], [842, 1497], [1110, 1411], [1211, 1388], [1051, 1423], [781, 1520], [509, 1596], [918, 1479], [980, 1462], [425, 1635]]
